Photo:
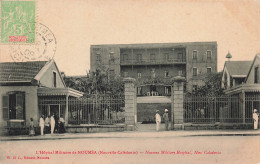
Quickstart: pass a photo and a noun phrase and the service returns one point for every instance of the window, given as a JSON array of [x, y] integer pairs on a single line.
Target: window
[[14, 105], [166, 73], [111, 57], [180, 56], [225, 81], [98, 58], [139, 75], [195, 55], [152, 57], [125, 74], [54, 80], [124, 57], [256, 75], [153, 73], [194, 88], [208, 69], [139, 57], [139, 91], [195, 71], [167, 90], [180, 73], [111, 73], [209, 55], [167, 56]]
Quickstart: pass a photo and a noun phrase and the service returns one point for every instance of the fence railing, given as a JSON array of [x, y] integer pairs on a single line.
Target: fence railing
[[152, 61], [225, 109], [96, 111]]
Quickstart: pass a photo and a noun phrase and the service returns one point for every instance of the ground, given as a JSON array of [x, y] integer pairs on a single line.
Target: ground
[[230, 149]]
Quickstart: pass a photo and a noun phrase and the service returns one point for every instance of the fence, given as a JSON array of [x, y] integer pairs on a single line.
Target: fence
[[94, 109], [224, 109]]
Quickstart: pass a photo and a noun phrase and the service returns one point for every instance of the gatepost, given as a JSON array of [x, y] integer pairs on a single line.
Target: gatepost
[[177, 103], [130, 104]]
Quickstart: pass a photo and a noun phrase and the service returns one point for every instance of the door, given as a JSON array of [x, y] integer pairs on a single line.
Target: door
[[54, 110]]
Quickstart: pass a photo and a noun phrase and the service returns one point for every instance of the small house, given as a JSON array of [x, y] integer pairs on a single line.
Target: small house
[[31, 89]]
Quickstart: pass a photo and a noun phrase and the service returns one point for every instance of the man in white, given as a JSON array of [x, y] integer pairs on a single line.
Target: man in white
[[158, 120], [255, 118], [52, 124], [42, 124]]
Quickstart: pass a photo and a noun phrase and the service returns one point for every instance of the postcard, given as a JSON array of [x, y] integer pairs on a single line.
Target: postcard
[[149, 81]]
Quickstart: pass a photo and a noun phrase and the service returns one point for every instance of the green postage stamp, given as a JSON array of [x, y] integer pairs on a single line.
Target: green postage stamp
[[18, 21]]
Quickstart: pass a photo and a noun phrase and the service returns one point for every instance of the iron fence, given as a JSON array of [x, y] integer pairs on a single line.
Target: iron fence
[[224, 109], [94, 109]]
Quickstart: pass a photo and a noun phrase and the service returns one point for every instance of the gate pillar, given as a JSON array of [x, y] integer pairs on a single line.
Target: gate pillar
[[130, 104], [177, 103]]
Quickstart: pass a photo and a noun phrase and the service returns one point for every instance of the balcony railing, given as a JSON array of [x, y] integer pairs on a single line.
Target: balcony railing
[[150, 62], [156, 80]]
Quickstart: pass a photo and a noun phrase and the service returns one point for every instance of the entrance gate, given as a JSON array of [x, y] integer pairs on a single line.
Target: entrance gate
[[175, 104]]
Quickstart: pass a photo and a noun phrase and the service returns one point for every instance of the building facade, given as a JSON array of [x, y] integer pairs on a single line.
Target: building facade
[[29, 90], [234, 73], [154, 65]]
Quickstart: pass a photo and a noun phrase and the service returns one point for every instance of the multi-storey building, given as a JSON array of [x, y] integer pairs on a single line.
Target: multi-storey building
[[153, 65]]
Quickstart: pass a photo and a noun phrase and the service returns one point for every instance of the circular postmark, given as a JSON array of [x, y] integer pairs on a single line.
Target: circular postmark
[[43, 49]]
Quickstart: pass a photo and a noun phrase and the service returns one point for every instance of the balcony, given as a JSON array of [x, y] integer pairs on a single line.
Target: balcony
[[157, 80], [153, 62]]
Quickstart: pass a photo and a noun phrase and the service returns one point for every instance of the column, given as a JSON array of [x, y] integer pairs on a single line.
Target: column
[[130, 104], [67, 110], [243, 101], [177, 103]]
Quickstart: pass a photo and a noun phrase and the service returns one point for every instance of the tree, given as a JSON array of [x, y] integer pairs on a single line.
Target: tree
[[212, 87], [97, 82]]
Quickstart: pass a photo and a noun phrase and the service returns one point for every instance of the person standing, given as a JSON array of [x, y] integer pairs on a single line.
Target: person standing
[[255, 118], [42, 124], [56, 118], [52, 124], [47, 124], [61, 127], [158, 120], [166, 119], [31, 128]]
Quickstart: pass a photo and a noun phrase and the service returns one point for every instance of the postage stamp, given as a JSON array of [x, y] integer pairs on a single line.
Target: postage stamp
[[43, 49], [18, 21]]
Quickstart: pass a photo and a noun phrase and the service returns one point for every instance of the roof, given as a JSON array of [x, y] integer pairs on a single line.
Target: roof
[[155, 44], [257, 56], [58, 91], [20, 71], [238, 67]]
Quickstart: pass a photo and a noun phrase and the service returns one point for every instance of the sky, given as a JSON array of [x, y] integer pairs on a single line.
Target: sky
[[77, 24]]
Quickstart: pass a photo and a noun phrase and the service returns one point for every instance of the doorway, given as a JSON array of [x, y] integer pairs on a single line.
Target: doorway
[[55, 110]]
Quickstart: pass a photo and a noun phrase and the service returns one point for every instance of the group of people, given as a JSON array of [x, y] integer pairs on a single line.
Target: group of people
[[158, 119], [50, 124]]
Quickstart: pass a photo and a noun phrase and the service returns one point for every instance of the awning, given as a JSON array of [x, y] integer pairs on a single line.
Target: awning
[[243, 87], [58, 92]]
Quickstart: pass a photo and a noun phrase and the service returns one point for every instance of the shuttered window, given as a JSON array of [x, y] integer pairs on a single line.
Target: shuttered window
[[13, 106], [256, 75], [5, 107], [20, 106]]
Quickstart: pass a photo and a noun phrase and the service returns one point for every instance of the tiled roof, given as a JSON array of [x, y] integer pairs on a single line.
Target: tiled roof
[[238, 67], [20, 71]]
